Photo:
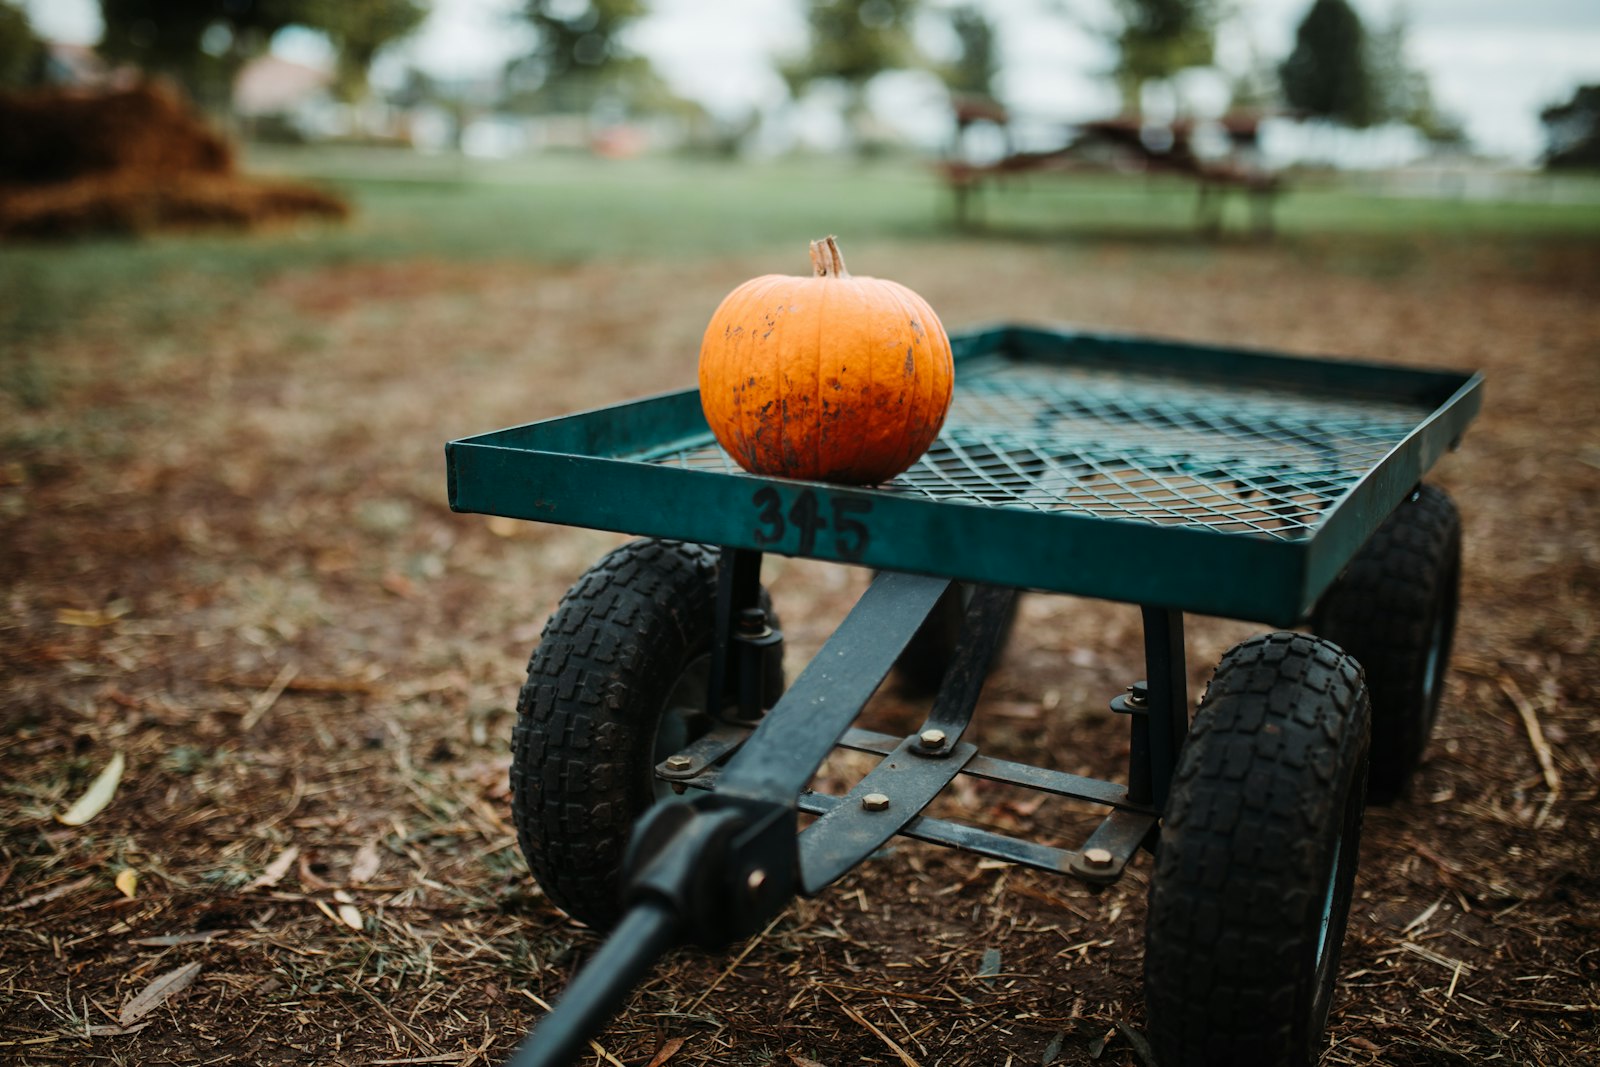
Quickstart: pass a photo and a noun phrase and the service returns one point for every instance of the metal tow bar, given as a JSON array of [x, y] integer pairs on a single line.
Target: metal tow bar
[[717, 868]]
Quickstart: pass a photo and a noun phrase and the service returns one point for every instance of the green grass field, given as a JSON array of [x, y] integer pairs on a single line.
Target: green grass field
[[565, 209]]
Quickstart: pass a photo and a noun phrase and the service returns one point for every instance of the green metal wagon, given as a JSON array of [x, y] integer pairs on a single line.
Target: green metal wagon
[[662, 768]]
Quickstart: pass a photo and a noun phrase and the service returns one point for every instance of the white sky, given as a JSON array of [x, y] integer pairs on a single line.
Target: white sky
[[1494, 63]]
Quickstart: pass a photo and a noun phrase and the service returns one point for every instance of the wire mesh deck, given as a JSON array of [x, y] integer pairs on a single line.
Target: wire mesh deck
[[1154, 448]]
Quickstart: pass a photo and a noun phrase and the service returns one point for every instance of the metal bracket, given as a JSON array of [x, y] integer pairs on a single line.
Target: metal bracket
[[784, 752], [703, 752], [1112, 845], [875, 810]]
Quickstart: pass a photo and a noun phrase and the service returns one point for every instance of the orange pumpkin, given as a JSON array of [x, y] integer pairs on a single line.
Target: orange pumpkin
[[829, 377]]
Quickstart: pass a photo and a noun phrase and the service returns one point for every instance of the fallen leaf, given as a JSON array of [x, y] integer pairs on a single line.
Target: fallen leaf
[[168, 940], [113, 1030], [160, 990], [501, 526], [990, 967], [101, 790], [276, 869], [399, 585], [347, 915], [93, 617], [668, 1050], [1141, 1046], [365, 864], [128, 882], [1098, 1046]]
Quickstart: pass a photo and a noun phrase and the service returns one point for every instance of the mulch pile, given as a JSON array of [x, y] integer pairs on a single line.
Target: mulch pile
[[130, 161]]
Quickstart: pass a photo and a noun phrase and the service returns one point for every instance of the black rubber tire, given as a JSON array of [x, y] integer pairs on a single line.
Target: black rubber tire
[[1257, 858], [1394, 610], [921, 666], [623, 640]]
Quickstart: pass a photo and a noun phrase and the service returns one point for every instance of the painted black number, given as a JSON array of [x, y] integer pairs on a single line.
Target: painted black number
[[807, 518], [850, 537], [771, 517], [850, 534]]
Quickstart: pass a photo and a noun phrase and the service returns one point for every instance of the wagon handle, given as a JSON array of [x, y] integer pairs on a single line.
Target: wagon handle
[[706, 872], [645, 934]]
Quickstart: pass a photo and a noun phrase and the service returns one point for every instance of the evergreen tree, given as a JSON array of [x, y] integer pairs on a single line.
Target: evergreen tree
[[1572, 130], [1326, 75]]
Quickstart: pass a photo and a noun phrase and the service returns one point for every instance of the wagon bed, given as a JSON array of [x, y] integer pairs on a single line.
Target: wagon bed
[[1221, 481]]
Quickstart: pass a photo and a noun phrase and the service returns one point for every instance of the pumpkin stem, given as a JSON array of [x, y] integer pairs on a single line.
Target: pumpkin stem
[[826, 260]]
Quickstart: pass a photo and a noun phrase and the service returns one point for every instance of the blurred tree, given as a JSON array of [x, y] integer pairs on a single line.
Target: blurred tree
[[1159, 38], [1253, 86], [359, 30], [851, 42], [199, 43], [1400, 91], [22, 54], [1572, 130], [579, 60], [1326, 75], [973, 70]]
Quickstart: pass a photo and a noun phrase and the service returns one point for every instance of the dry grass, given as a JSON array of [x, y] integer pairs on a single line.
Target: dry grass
[[130, 161], [226, 555]]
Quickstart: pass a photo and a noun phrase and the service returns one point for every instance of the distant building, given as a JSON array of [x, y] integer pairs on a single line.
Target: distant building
[[287, 98], [78, 66]]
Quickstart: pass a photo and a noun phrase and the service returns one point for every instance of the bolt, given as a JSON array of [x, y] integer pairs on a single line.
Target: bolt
[[875, 802], [1097, 858], [932, 740], [755, 880], [1138, 695], [752, 622], [679, 763]]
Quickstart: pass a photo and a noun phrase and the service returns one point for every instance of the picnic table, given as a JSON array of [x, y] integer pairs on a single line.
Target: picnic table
[[1126, 145]]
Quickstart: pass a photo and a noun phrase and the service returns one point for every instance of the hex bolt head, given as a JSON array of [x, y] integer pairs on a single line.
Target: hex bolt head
[[679, 763], [755, 880], [931, 739], [1138, 695], [752, 622], [1098, 859], [875, 802]]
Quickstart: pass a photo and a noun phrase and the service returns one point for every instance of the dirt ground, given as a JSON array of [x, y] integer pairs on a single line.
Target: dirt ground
[[225, 554]]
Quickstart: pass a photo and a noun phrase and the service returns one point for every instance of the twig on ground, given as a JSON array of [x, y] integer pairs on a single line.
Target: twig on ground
[[905, 1057], [1541, 747], [263, 703], [754, 941]]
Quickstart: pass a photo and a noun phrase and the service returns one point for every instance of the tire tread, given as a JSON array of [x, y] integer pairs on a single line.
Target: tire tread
[[624, 629], [1278, 740]]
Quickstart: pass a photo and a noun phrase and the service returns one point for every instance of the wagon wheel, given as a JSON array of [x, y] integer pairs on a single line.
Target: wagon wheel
[[920, 668], [1394, 610], [1257, 858], [617, 683]]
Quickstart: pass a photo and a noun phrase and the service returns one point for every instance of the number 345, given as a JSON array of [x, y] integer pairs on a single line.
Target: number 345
[[805, 515]]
